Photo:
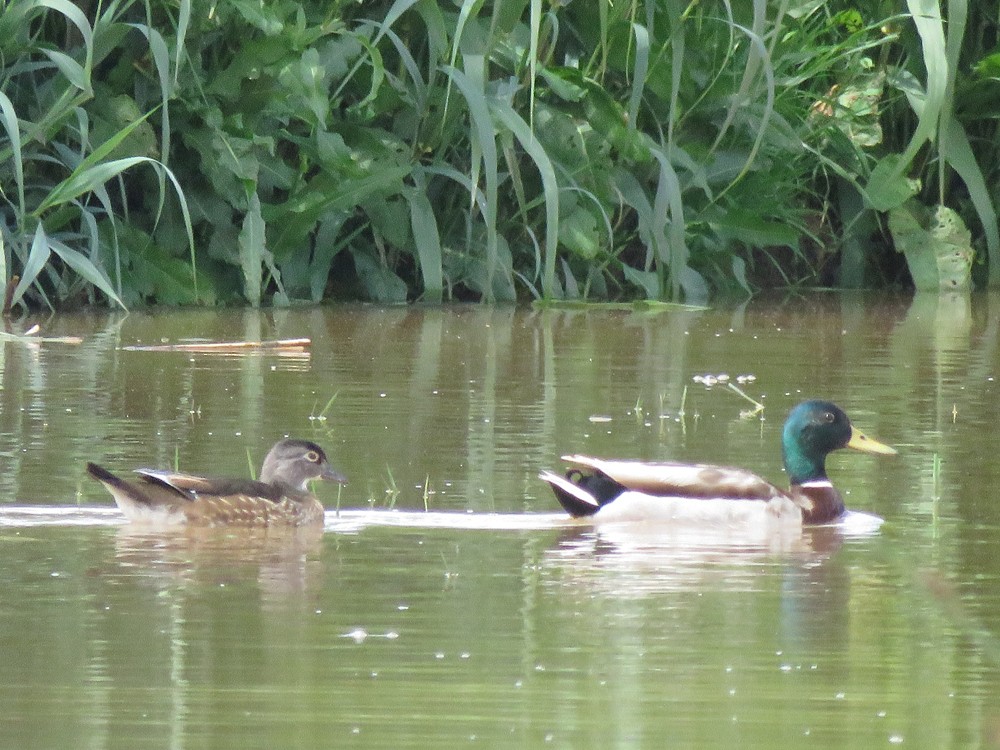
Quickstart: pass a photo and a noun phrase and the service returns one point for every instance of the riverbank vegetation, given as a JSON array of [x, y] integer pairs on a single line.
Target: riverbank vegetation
[[187, 152]]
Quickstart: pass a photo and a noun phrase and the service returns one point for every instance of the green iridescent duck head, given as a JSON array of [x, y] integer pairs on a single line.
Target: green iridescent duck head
[[812, 430]]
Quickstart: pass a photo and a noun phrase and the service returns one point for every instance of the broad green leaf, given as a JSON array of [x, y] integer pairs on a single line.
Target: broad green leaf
[[936, 244], [264, 16], [251, 251], [989, 66], [578, 232], [381, 284], [305, 86], [161, 277], [428, 243], [391, 219], [293, 220], [888, 187], [607, 117], [648, 281], [563, 83], [754, 230]]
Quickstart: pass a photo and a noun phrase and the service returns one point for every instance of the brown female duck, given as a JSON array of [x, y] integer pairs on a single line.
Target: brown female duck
[[713, 495], [280, 497]]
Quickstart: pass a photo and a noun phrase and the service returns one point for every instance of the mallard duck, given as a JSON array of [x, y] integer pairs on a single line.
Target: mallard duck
[[637, 490], [280, 496]]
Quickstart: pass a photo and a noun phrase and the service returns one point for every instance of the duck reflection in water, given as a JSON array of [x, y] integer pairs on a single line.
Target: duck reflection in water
[[283, 560]]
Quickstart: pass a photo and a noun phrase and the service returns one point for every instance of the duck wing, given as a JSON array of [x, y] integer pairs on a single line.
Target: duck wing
[[698, 494], [164, 497], [196, 488], [145, 499], [668, 479]]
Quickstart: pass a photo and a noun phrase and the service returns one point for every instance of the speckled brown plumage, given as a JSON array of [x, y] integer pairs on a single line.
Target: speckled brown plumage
[[280, 496]]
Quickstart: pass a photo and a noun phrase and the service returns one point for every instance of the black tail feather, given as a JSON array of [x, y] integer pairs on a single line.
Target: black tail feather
[[601, 487], [574, 505], [581, 494], [103, 475]]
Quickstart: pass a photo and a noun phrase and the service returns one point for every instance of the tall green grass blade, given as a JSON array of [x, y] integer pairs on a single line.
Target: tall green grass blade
[[472, 88], [8, 116], [464, 14], [550, 188], [82, 179], [71, 69], [3, 261], [396, 10], [671, 251], [534, 30], [926, 15], [251, 251], [639, 72], [38, 256], [958, 13], [957, 149], [428, 242], [412, 69], [183, 21], [85, 268], [758, 60], [462, 179], [86, 179], [161, 63], [76, 16]]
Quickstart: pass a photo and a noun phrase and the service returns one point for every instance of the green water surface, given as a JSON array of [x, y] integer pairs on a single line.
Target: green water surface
[[501, 631]]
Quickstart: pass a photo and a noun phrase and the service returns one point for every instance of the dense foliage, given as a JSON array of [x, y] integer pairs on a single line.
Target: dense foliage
[[183, 151]]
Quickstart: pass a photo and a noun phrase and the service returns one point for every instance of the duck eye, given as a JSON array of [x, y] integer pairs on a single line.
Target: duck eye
[[312, 457], [828, 417]]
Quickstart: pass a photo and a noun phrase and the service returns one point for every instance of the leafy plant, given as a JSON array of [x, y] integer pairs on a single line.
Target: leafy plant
[[67, 153], [403, 150]]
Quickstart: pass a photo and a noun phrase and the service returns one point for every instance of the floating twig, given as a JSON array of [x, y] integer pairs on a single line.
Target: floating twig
[[758, 406], [279, 346], [29, 337]]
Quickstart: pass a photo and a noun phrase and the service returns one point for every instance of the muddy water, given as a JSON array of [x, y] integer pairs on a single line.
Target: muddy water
[[448, 603]]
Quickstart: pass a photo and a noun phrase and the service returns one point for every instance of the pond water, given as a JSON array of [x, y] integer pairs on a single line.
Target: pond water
[[448, 603]]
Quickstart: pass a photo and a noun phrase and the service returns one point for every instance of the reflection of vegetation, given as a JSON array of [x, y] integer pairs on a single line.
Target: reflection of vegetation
[[324, 412], [395, 150], [620, 636], [389, 495]]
